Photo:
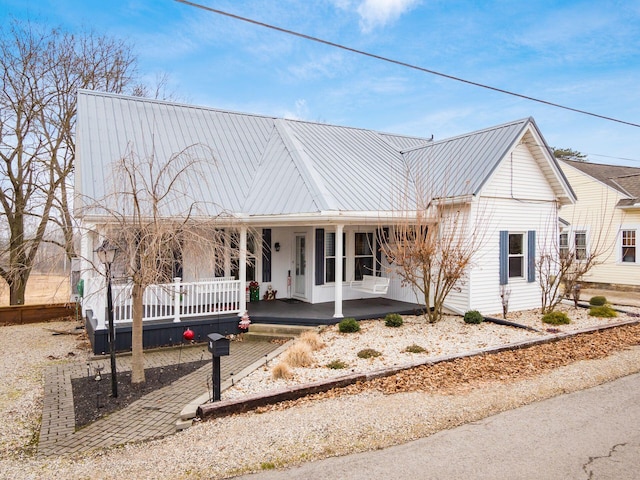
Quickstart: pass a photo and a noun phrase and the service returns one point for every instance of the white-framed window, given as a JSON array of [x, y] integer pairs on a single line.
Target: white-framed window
[[364, 261], [234, 255], [563, 245], [580, 242], [330, 257], [516, 255], [628, 246]]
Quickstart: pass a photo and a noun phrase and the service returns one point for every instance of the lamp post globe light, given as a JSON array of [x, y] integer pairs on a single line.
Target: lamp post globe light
[[107, 254]]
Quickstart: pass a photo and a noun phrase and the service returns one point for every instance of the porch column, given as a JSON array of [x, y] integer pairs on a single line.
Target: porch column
[[338, 284], [242, 270]]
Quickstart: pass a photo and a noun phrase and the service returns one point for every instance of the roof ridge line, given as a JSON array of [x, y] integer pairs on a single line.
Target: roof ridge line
[[318, 190]]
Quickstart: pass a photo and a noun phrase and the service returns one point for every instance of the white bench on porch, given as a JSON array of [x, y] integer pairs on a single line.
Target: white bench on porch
[[371, 284]]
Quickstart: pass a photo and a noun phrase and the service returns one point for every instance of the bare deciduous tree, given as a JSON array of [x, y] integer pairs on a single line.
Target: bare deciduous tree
[[153, 219], [563, 264], [432, 244], [41, 72]]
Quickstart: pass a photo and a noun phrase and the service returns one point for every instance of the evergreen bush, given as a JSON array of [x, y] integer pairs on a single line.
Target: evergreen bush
[[414, 349], [337, 365], [393, 320], [349, 325], [598, 301], [368, 353], [602, 311], [556, 318], [473, 316]]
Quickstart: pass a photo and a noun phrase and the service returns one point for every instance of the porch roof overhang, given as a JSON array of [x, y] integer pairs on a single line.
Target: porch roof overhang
[[326, 217]]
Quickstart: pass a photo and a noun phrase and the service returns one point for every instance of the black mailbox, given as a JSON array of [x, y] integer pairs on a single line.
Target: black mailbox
[[218, 345]]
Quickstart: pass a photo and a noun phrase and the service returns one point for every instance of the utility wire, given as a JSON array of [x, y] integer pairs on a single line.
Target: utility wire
[[404, 64]]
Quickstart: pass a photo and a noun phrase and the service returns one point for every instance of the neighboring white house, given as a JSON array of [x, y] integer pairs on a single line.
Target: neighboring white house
[[604, 220], [311, 190]]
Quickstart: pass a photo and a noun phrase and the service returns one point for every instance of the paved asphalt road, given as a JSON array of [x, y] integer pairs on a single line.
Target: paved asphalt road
[[592, 434]]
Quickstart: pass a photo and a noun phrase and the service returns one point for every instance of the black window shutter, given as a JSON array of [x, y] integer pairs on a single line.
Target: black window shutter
[[266, 254], [531, 256], [504, 257], [319, 254]]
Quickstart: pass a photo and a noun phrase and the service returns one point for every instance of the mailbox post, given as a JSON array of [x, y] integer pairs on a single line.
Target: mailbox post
[[219, 347]]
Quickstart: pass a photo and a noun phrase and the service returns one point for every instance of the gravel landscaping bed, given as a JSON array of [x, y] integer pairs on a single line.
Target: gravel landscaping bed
[[408, 405], [449, 336]]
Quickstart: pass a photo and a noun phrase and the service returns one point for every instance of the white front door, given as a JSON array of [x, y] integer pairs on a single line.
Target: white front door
[[299, 288]]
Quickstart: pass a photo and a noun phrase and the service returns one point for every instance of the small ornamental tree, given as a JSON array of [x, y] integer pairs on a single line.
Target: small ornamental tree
[[563, 262], [432, 243], [153, 219]]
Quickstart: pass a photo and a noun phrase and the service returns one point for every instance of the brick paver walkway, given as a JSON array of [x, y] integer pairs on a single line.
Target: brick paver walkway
[[152, 416]]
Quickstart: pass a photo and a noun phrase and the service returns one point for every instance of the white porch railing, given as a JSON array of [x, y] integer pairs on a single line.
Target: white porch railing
[[172, 301]]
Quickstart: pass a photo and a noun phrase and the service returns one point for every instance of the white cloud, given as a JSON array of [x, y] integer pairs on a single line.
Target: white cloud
[[378, 13], [300, 111], [326, 66]]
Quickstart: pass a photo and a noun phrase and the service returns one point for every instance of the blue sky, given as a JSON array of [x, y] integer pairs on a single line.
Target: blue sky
[[582, 54]]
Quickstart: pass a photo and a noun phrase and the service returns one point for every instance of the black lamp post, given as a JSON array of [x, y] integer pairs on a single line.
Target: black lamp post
[[106, 254]]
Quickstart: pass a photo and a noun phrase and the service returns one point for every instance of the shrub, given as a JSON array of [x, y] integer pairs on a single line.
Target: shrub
[[337, 365], [349, 325], [281, 370], [312, 339], [298, 355], [602, 311], [368, 353], [473, 316], [414, 349], [598, 301], [393, 320], [556, 318]]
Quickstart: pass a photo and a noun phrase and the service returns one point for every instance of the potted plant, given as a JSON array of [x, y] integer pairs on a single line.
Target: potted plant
[[254, 291]]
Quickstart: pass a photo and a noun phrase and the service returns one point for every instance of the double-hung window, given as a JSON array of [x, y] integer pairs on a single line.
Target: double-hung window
[[364, 264], [235, 256], [330, 257], [516, 255], [564, 245], [628, 246], [580, 238]]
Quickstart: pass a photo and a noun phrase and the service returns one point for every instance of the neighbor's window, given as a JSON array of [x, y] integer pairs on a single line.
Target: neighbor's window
[[564, 245], [581, 245], [363, 255], [516, 255], [330, 257], [629, 246]]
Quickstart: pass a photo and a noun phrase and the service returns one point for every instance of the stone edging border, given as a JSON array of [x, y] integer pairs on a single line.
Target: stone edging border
[[248, 403]]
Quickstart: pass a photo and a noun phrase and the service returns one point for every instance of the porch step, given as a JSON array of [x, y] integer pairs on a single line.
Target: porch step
[[275, 330]]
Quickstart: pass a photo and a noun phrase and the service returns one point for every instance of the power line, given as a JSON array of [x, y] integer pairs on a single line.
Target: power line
[[404, 64]]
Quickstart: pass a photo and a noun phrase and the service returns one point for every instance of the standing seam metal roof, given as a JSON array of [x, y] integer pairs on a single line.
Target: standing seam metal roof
[[259, 165]]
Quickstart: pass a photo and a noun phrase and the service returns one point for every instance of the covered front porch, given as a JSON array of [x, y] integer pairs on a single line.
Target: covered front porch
[[167, 332]]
